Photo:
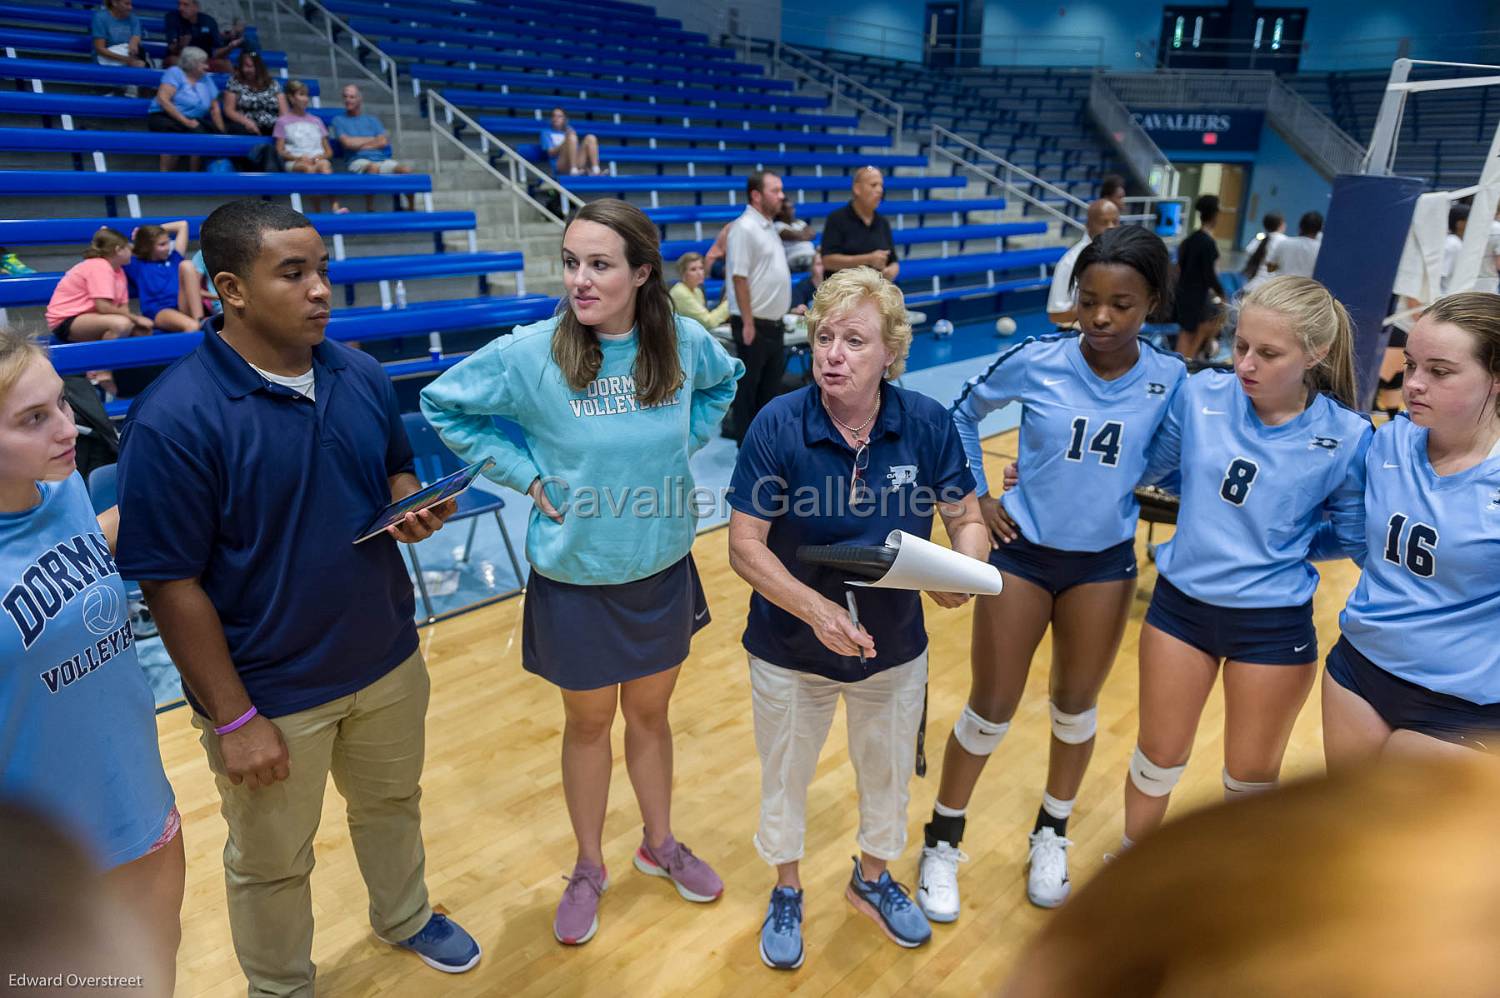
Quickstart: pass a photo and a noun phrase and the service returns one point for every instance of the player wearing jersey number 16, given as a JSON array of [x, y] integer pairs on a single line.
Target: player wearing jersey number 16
[[1064, 540], [1267, 455], [1418, 669]]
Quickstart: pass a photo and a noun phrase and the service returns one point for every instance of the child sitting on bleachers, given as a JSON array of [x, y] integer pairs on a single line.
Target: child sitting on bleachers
[[89, 302], [163, 278], [302, 140]]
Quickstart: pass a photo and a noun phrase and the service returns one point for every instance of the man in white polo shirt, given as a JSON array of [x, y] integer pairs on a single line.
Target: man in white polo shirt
[[1298, 255], [1061, 309], [760, 293]]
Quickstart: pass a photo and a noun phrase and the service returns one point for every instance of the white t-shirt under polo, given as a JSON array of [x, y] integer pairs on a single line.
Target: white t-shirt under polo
[[755, 253]]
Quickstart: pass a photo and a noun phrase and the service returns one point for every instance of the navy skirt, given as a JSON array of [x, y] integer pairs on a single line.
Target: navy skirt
[[588, 637]]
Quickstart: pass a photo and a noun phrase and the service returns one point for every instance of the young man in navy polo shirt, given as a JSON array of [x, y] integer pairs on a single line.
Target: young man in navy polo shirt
[[246, 472]]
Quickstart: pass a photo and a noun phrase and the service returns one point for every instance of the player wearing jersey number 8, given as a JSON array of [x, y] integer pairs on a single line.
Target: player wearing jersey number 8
[[1266, 455], [1417, 669], [1065, 541]]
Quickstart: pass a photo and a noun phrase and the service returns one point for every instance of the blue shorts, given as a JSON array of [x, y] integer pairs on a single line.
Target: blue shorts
[[1058, 571], [1278, 635], [1403, 704], [588, 637]]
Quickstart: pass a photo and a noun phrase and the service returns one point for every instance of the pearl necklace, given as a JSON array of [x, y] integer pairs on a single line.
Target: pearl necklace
[[854, 431]]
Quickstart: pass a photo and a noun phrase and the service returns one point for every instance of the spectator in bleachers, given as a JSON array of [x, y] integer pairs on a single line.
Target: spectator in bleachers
[[1199, 297], [302, 140], [252, 102], [806, 289], [1273, 231], [857, 235], [1062, 307], [164, 279], [1298, 255], [760, 294], [89, 302], [202, 288], [188, 27], [186, 99], [687, 293], [11, 264], [116, 34], [796, 238], [571, 155], [1112, 188], [364, 140]]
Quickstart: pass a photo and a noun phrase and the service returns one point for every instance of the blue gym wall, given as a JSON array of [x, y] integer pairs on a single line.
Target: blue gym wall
[[1281, 180], [1341, 34]]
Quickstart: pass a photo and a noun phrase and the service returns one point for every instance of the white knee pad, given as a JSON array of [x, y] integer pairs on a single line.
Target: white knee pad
[[976, 735], [1234, 789], [1151, 779], [1074, 729]]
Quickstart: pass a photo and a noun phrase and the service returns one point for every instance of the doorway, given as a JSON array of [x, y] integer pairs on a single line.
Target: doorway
[[941, 43], [1227, 180]]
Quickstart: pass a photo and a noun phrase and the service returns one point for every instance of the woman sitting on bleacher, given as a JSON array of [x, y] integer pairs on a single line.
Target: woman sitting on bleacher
[[186, 102], [687, 294], [164, 279], [570, 153], [89, 302], [252, 102], [302, 140]]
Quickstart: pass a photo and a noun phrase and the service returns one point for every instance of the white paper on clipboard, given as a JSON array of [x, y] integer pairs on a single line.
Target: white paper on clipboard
[[921, 564]]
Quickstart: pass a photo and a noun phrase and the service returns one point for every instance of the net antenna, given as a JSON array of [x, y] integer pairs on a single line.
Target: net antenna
[[1468, 270]]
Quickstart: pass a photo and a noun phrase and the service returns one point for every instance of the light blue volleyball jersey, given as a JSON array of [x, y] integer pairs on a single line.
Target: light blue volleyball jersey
[[77, 718], [1254, 496], [1427, 606], [1084, 440]]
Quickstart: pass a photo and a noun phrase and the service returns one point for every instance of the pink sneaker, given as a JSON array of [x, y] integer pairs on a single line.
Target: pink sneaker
[[578, 912], [694, 879]]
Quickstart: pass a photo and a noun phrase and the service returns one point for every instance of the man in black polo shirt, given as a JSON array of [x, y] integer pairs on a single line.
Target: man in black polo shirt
[[856, 235], [246, 472]]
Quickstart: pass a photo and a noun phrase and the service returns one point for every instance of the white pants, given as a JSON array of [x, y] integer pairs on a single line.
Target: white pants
[[793, 711]]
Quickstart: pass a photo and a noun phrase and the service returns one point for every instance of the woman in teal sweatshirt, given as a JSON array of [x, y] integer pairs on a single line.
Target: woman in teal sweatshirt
[[611, 397]]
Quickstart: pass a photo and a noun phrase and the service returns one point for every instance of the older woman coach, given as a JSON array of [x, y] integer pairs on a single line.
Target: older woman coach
[[845, 460]]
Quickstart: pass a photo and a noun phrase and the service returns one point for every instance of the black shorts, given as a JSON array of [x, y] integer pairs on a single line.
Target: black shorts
[[588, 637], [63, 331], [1403, 704], [1279, 635], [1058, 571]]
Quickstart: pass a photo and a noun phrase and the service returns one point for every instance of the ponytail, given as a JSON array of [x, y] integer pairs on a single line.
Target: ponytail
[[1321, 323]]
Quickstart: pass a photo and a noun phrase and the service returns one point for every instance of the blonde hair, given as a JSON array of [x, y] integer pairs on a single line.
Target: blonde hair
[[1321, 324], [1478, 314], [17, 352], [1357, 902], [296, 87], [849, 288], [685, 261]]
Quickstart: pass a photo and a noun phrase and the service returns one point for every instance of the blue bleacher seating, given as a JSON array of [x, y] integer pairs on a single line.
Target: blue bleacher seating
[[671, 111], [54, 183], [582, 85], [474, 56], [60, 231], [88, 140], [86, 105], [59, 71], [699, 134]]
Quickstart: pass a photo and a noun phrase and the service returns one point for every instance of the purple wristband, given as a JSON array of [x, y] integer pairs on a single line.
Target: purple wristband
[[238, 722]]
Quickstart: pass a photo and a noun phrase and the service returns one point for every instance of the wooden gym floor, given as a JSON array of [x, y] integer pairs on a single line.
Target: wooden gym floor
[[498, 840]]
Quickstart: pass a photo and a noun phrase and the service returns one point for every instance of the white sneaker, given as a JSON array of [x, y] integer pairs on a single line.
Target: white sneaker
[[1047, 883], [937, 881]]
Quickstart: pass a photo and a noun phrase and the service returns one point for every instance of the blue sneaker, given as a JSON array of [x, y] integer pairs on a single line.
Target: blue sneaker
[[890, 906], [781, 932], [443, 945]]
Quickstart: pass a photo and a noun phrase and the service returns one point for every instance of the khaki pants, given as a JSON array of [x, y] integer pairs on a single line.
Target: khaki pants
[[793, 711], [372, 743]]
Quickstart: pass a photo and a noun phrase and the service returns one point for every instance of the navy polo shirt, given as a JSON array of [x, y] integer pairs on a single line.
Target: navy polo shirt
[[794, 470], [259, 493]]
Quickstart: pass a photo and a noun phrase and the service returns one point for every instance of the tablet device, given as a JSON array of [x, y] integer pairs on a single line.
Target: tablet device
[[439, 491]]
